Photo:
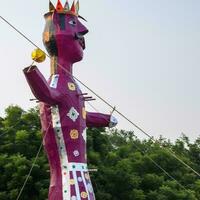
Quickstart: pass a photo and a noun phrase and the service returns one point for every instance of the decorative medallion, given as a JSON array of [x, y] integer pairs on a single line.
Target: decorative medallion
[[71, 182], [76, 153], [80, 179], [71, 86], [74, 134], [84, 195], [73, 114]]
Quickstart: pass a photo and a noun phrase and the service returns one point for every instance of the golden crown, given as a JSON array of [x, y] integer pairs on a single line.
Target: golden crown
[[66, 8]]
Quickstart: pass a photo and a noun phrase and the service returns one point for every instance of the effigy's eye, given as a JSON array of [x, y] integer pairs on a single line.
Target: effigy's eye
[[72, 22]]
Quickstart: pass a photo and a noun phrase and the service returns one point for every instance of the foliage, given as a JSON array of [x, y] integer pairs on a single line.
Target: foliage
[[124, 163]]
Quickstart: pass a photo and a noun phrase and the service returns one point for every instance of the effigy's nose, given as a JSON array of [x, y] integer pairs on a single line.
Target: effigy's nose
[[82, 29]]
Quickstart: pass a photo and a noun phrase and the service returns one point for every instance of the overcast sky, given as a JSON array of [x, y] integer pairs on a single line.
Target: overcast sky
[[142, 56]]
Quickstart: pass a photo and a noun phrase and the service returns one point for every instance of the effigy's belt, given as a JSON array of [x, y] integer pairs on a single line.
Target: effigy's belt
[[82, 167]]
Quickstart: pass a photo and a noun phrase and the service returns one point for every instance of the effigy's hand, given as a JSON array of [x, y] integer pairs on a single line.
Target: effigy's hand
[[113, 122]]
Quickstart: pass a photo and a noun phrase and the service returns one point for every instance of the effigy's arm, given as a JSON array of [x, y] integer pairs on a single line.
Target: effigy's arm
[[39, 86], [100, 120]]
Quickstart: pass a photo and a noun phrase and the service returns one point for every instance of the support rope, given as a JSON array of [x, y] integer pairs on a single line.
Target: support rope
[[29, 174], [153, 161], [106, 102]]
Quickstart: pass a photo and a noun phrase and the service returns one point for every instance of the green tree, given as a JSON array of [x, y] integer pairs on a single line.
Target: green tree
[[124, 163]]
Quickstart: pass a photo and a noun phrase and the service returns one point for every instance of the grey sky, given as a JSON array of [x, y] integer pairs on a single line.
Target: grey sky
[[142, 56]]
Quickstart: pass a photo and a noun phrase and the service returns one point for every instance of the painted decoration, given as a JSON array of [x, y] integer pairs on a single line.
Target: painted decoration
[[62, 107]]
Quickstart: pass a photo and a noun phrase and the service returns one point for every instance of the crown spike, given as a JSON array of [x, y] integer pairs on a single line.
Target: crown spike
[[66, 6], [59, 6], [73, 8], [51, 7], [77, 7]]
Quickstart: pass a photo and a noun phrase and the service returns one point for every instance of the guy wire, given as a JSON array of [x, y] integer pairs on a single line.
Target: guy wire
[[117, 111]]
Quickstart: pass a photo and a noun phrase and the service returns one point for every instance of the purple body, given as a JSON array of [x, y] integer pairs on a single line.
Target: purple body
[[62, 110]]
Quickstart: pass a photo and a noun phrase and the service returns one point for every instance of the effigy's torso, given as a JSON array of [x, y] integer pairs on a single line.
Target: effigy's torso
[[64, 132]]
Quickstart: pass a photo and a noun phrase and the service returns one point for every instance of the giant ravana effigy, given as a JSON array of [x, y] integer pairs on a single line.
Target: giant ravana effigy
[[62, 105]]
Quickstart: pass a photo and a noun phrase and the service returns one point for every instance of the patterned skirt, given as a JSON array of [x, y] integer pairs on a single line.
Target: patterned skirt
[[76, 183]]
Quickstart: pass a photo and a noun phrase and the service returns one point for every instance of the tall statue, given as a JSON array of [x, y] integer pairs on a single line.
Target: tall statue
[[62, 105]]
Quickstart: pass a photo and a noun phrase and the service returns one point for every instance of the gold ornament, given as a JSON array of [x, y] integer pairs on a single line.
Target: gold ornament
[[84, 195], [71, 182], [71, 86], [74, 134], [38, 55]]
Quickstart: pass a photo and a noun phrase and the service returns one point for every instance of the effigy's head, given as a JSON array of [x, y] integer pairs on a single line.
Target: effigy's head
[[64, 33]]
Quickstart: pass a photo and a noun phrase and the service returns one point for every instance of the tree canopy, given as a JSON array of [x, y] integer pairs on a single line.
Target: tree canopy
[[124, 163]]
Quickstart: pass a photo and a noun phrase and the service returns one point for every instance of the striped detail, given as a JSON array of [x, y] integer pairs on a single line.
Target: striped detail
[[62, 152], [76, 185], [85, 184]]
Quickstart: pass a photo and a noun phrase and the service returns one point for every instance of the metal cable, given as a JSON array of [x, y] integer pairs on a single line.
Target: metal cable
[[106, 102], [153, 161], [29, 174], [36, 157]]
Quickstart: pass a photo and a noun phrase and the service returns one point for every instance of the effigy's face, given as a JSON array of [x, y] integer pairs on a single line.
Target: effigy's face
[[64, 36]]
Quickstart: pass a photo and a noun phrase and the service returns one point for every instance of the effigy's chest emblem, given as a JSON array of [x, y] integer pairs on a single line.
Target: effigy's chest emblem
[[73, 114], [71, 86], [74, 134]]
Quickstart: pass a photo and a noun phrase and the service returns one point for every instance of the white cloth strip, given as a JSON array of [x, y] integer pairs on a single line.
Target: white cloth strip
[[54, 81], [62, 152]]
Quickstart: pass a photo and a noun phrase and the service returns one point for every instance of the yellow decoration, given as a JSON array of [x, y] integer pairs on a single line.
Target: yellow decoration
[[38, 55], [46, 36], [84, 113], [71, 181], [84, 195], [71, 86], [74, 134]]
